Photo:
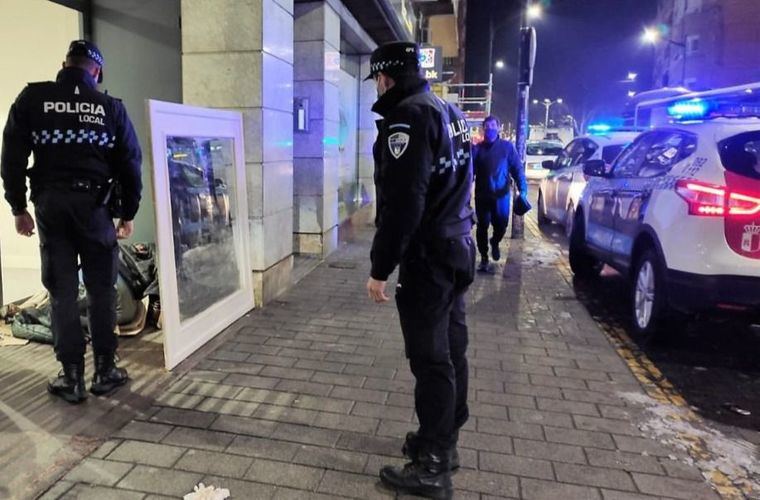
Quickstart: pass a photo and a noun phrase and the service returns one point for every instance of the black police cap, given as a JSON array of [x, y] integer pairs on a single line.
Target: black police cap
[[394, 59], [84, 48]]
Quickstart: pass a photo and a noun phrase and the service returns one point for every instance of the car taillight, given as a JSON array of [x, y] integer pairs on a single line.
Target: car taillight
[[743, 204], [703, 199], [710, 200]]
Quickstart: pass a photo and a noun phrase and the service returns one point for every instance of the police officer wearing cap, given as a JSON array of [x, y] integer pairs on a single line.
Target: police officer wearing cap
[[423, 175], [83, 143]]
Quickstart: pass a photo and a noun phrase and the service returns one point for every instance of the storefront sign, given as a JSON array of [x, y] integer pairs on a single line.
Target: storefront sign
[[431, 62]]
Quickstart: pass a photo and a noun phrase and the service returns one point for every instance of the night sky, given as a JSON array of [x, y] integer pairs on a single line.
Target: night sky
[[585, 49]]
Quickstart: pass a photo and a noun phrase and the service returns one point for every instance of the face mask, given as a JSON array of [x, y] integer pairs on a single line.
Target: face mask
[[491, 135]]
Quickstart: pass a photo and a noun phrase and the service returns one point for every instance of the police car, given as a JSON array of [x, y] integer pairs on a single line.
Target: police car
[[678, 213], [559, 192]]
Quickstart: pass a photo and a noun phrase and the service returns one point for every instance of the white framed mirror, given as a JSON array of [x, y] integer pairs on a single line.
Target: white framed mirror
[[202, 232]]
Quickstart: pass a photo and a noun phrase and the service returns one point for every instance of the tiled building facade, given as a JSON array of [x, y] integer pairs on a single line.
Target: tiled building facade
[[262, 58]]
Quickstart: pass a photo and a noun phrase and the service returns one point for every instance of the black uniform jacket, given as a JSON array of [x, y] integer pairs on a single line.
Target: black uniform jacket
[[423, 173], [75, 132]]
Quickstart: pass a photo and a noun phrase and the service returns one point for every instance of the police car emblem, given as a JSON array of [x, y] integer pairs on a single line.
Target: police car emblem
[[397, 143]]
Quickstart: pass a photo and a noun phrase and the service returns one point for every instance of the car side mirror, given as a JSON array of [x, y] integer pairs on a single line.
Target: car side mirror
[[549, 165], [595, 168]]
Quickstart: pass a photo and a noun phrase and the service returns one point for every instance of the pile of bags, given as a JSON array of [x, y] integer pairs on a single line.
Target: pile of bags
[[137, 303]]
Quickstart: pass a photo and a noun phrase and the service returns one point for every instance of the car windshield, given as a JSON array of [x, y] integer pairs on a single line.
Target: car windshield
[[543, 148], [740, 154]]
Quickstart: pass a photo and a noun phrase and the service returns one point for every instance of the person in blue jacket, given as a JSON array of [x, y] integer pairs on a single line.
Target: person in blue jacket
[[83, 142], [495, 164]]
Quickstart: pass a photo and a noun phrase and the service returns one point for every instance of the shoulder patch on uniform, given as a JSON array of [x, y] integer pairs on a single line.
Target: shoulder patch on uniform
[[397, 143]]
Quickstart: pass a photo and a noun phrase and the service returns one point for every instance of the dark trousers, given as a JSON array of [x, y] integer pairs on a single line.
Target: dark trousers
[[72, 225], [430, 294], [491, 211]]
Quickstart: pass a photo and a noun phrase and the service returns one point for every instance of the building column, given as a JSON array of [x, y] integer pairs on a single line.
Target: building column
[[315, 151], [238, 55]]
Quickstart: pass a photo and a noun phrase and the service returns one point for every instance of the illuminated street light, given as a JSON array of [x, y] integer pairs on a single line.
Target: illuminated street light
[[499, 64], [650, 35], [548, 104], [632, 76], [534, 11], [631, 93], [654, 35]]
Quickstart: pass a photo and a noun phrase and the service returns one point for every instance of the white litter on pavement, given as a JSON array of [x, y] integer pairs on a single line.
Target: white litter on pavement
[[203, 492]]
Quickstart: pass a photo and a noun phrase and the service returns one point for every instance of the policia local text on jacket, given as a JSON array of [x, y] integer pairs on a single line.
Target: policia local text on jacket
[[494, 163], [81, 139], [423, 178]]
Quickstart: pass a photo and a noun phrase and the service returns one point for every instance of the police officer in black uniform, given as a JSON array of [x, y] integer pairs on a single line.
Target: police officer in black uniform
[[423, 176], [83, 143]]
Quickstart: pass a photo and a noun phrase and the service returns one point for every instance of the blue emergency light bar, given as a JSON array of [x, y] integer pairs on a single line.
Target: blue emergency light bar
[[692, 109], [599, 128]]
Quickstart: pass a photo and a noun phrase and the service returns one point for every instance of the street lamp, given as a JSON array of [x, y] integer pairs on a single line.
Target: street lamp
[[548, 104], [654, 35], [631, 93], [499, 64], [534, 11], [632, 76], [650, 35]]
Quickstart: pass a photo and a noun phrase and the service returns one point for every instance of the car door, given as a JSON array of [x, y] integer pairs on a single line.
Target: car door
[[584, 150], [631, 197], [602, 199], [561, 163]]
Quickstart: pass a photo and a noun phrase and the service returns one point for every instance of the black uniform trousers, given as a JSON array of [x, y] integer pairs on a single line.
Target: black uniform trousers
[[72, 224], [433, 279], [493, 211]]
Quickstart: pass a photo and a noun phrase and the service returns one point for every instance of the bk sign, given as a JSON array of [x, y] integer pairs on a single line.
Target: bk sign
[[431, 62]]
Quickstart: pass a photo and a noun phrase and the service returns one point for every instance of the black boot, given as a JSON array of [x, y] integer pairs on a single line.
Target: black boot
[[107, 376], [495, 252], [69, 385], [412, 447], [428, 476]]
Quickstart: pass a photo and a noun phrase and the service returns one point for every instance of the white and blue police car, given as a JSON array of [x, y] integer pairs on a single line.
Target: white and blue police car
[[559, 192], [678, 212]]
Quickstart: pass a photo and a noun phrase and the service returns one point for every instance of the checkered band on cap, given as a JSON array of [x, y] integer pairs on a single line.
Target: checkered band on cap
[[87, 49], [384, 65]]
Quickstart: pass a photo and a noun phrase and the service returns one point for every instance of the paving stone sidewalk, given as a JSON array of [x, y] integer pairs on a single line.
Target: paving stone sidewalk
[[309, 396]]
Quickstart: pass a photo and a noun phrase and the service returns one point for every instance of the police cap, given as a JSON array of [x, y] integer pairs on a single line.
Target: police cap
[[84, 48], [395, 59]]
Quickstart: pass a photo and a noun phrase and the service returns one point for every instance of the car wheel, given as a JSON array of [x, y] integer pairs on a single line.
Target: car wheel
[[569, 220], [649, 303], [583, 264], [541, 213]]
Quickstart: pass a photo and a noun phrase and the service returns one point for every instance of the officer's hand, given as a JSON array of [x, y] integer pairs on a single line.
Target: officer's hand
[[376, 290], [124, 229], [24, 224]]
